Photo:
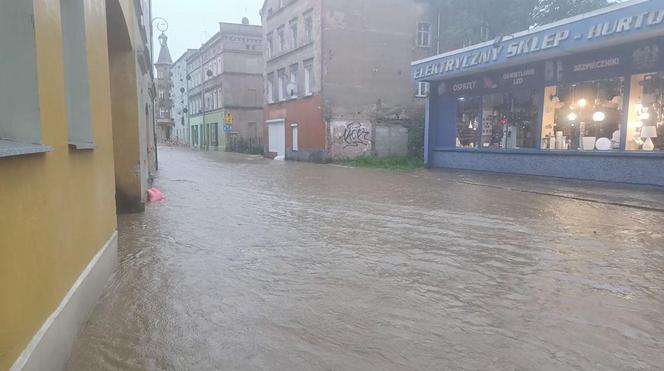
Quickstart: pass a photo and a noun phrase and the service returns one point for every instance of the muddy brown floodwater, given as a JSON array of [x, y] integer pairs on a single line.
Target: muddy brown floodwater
[[252, 264]]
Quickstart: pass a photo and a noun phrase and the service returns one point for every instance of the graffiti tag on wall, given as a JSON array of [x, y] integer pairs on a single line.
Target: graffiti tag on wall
[[356, 135]]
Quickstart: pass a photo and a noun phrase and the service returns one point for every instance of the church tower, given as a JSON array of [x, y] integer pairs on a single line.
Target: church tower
[[163, 83]]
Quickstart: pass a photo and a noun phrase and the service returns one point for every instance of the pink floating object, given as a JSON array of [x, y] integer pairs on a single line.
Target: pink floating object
[[155, 195]]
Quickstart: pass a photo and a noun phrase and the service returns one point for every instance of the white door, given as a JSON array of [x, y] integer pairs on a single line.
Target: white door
[[277, 138]]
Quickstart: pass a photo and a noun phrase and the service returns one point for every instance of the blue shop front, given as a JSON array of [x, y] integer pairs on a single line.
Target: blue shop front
[[581, 98]]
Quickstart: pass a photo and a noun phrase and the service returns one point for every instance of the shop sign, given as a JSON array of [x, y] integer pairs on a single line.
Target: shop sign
[[522, 77], [622, 23], [645, 56]]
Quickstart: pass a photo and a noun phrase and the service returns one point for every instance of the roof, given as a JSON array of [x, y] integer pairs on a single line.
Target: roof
[[164, 53]]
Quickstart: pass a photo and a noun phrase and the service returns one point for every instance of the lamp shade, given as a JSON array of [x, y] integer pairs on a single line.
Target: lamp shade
[[649, 132]]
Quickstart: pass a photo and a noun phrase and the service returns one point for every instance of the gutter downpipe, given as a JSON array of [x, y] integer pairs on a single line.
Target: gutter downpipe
[[438, 32]]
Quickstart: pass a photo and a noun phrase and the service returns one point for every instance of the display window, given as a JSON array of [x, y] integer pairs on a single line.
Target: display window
[[583, 116], [645, 130], [509, 120], [468, 116]]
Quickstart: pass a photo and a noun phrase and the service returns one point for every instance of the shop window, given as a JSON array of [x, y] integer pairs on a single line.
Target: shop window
[[584, 116], [19, 99], [75, 58], [645, 131], [468, 116], [509, 120]]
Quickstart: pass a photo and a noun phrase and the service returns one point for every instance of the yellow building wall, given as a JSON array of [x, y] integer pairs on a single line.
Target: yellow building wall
[[56, 209]]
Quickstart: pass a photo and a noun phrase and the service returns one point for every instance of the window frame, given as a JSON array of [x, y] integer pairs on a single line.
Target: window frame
[[308, 27], [20, 103], [293, 72], [309, 78], [281, 84], [281, 38], [295, 138], [269, 88], [421, 34], [422, 89], [293, 26]]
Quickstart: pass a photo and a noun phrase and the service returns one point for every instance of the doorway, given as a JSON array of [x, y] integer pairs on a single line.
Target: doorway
[[277, 138]]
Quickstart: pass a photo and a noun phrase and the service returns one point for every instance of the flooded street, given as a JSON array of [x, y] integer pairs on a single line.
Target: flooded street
[[253, 264]]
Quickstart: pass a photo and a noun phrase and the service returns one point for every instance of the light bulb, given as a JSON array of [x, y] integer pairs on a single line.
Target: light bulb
[[639, 108], [599, 116], [572, 116], [582, 102]]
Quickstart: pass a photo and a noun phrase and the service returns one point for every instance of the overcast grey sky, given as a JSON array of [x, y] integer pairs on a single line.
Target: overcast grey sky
[[192, 22]]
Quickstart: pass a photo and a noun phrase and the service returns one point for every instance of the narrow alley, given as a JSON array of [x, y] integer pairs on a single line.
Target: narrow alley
[[255, 264]]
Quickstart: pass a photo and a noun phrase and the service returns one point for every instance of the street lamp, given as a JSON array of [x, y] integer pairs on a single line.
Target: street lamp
[[162, 26]]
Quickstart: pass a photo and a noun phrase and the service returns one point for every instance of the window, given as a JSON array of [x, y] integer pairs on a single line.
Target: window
[[292, 86], [281, 39], [576, 115], [308, 28], [281, 4], [422, 89], [79, 117], [645, 131], [509, 120], [293, 31], [269, 88], [423, 34], [468, 115], [19, 100], [282, 84], [220, 98], [161, 94], [295, 137], [308, 77], [270, 45]]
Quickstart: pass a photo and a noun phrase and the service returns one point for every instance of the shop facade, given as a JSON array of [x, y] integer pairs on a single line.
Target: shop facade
[[207, 131], [582, 98]]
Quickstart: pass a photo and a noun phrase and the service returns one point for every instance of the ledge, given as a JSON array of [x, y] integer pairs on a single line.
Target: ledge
[[10, 148], [82, 146], [284, 53], [659, 154]]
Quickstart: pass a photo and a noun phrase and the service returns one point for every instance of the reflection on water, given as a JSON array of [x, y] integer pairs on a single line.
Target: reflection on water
[[259, 265]]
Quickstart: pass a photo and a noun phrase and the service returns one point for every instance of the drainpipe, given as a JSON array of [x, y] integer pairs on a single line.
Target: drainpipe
[[154, 137], [438, 31]]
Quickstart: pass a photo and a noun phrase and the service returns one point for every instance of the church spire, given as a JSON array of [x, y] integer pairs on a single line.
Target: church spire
[[164, 53]]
